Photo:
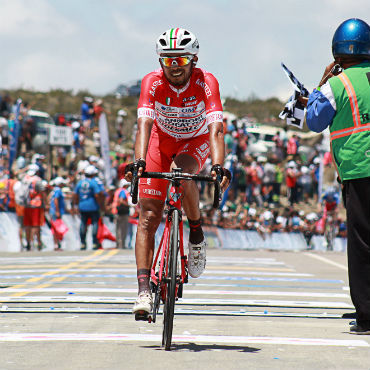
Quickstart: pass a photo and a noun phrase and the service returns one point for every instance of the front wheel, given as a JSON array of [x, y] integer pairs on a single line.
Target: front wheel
[[169, 305]]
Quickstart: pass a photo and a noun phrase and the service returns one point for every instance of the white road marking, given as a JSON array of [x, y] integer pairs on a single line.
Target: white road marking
[[184, 301], [327, 260], [133, 270], [178, 311], [240, 340], [267, 293]]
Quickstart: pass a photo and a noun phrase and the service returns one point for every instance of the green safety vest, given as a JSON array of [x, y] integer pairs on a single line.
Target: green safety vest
[[350, 130]]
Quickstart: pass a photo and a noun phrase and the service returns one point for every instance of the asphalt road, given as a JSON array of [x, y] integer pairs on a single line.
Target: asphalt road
[[250, 309]]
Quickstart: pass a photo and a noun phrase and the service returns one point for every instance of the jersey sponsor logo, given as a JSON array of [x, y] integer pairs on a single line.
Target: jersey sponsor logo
[[203, 150], [187, 110], [154, 86], [190, 98], [205, 87], [214, 117], [190, 103], [145, 112], [152, 192], [181, 122]]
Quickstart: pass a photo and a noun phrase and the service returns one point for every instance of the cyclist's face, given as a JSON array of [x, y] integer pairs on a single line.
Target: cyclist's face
[[178, 75]]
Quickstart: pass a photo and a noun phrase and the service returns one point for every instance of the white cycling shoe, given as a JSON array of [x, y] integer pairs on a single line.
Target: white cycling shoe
[[143, 303], [197, 258]]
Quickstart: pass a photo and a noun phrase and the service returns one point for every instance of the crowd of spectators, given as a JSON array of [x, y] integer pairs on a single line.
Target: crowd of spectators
[[274, 191], [277, 191]]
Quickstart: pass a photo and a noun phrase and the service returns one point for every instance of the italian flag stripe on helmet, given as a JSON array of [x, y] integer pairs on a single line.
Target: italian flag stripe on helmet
[[174, 37]]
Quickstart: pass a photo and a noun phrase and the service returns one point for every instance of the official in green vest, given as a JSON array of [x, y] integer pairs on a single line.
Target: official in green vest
[[342, 103]]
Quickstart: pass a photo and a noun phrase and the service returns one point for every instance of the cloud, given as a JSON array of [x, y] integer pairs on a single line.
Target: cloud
[[97, 45], [25, 19], [43, 71]]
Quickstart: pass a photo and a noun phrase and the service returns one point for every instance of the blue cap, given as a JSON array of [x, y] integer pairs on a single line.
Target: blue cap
[[352, 38]]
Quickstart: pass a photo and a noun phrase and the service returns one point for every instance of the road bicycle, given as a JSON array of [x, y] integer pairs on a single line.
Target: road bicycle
[[330, 231], [169, 271]]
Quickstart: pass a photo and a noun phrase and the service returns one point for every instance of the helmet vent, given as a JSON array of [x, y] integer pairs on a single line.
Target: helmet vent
[[186, 33], [184, 41], [163, 42]]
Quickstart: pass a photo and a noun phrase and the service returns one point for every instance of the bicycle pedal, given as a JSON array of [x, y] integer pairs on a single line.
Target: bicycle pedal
[[142, 316]]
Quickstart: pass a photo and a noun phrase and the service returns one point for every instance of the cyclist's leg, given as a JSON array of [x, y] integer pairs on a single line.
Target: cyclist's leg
[[191, 158], [150, 216], [190, 202], [151, 211]]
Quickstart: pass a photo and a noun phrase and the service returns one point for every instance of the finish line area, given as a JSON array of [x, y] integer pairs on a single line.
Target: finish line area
[[259, 306]]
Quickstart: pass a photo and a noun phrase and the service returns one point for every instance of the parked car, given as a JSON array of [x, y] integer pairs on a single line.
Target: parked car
[[42, 121]]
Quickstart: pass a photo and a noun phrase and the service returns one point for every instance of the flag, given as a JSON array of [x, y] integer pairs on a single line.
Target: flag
[[294, 112], [104, 147], [14, 135]]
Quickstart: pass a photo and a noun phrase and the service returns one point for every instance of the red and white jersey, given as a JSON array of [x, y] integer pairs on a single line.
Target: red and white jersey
[[181, 113]]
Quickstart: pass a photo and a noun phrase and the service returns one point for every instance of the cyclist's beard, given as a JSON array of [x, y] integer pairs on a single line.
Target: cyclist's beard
[[178, 76]]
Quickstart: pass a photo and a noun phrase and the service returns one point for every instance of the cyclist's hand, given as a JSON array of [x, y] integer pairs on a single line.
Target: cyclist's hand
[[221, 174], [139, 166]]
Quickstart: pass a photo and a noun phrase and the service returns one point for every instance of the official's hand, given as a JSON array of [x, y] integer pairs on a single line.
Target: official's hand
[[303, 100], [327, 73]]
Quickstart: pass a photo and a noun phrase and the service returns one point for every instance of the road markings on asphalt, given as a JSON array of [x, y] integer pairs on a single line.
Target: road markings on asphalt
[[178, 311], [8, 273], [194, 301], [327, 260], [201, 292], [240, 340], [95, 257]]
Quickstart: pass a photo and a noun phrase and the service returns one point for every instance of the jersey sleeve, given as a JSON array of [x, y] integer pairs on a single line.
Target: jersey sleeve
[[146, 102], [321, 109], [213, 100]]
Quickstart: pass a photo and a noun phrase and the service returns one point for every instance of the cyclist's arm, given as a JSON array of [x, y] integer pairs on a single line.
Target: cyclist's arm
[[144, 128], [216, 143], [217, 149], [146, 117]]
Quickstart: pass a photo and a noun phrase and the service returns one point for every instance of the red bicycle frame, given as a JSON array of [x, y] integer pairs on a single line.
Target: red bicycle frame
[[164, 247]]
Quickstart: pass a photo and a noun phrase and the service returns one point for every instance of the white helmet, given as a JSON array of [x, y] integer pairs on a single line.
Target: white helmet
[[177, 41], [91, 170], [75, 125]]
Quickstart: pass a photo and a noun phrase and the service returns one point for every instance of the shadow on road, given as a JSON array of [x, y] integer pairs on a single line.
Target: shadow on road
[[193, 347]]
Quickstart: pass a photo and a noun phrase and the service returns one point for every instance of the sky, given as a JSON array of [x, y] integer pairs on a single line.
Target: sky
[[96, 45]]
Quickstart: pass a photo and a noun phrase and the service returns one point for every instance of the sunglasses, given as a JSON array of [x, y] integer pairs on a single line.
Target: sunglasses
[[176, 61]]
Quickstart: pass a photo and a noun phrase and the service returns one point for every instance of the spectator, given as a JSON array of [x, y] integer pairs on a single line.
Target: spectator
[[88, 197], [291, 182], [279, 146], [121, 208], [292, 147], [38, 159], [57, 205], [87, 112], [98, 110], [78, 146], [120, 125], [305, 184], [34, 211]]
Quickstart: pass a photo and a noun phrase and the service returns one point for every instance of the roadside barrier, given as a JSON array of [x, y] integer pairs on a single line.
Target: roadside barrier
[[216, 237]]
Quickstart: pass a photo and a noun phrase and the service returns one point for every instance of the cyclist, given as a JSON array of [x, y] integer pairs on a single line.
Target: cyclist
[[330, 201], [179, 125]]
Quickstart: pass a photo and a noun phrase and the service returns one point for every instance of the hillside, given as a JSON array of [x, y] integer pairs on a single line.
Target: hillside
[[67, 101]]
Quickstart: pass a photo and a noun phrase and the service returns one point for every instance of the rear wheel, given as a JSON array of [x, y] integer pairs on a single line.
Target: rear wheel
[[169, 305]]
